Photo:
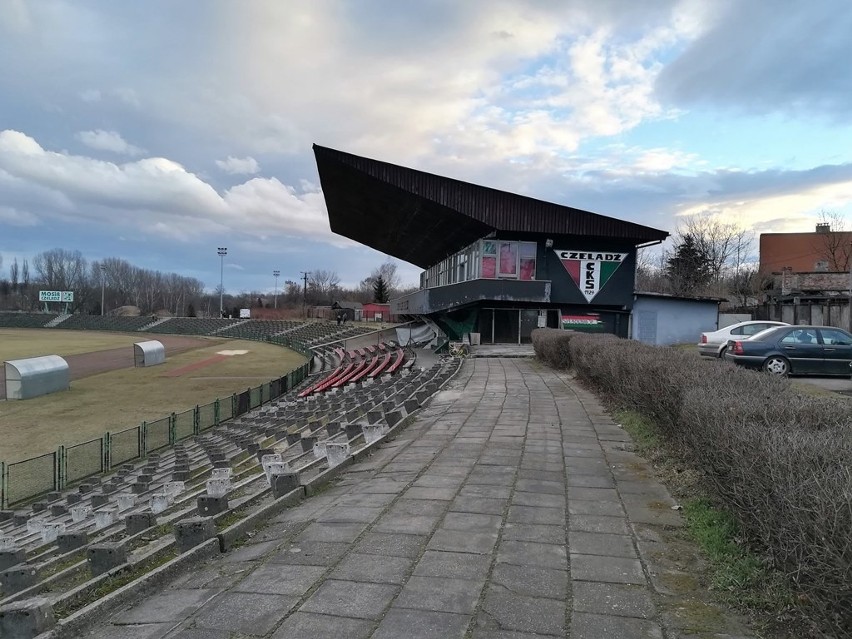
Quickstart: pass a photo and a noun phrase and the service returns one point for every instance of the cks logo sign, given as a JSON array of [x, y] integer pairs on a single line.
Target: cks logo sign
[[590, 271]]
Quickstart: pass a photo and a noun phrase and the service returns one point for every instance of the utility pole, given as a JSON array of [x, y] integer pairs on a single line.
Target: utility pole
[[276, 274], [305, 294]]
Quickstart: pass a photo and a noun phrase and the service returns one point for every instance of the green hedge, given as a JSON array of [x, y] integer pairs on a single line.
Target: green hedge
[[780, 460]]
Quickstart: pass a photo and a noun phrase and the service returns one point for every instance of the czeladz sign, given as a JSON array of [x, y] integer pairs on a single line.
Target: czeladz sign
[[590, 270]]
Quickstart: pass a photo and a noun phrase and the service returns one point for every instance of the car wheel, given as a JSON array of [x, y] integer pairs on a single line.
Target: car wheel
[[777, 366], [722, 352]]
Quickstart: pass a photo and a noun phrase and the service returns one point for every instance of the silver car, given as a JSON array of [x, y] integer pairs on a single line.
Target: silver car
[[715, 343]]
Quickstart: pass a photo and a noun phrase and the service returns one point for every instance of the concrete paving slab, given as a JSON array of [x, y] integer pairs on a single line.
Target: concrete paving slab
[[248, 613], [622, 570], [174, 606], [534, 532], [532, 581], [362, 567], [584, 543], [440, 593], [612, 599], [456, 565], [359, 600], [505, 610], [421, 624], [589, 626], [277, 579], [527, 553], [305, 625]]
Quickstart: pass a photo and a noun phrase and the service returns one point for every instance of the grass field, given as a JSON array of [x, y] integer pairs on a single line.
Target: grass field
[[18, 343], [123, 398]]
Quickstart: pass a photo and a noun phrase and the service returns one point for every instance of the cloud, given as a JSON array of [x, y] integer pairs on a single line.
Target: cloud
[[108, 141], [789, 57], [157, 196], [239, 166]]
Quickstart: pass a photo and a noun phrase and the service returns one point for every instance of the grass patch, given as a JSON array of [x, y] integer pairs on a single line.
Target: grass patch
[[740, 577], [114, 583], [123, 398]]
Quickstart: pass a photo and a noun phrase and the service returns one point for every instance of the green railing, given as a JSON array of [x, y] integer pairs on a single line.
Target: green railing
[[28, 479]]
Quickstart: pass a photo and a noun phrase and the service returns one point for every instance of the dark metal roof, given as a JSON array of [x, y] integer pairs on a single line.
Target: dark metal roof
[[422, 218]]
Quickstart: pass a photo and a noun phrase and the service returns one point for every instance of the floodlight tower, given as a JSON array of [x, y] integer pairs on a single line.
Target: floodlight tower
[[103, 278], [276, 274], [222, 251]]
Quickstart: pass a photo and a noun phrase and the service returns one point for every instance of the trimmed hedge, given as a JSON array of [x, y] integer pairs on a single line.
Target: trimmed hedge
[[780, 461]]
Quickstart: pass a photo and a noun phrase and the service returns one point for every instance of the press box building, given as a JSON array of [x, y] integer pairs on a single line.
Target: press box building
[[494, 263]]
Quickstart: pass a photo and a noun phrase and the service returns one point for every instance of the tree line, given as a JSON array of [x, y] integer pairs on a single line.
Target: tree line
[[121, 284], [710, 257]]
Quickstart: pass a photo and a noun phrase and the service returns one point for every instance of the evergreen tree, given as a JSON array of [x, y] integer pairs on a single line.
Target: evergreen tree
[[688, 267], [380, 290]]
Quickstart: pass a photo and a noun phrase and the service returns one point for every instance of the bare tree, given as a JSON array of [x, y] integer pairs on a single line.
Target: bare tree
[[833, 242], [323, 284], [724, 245]]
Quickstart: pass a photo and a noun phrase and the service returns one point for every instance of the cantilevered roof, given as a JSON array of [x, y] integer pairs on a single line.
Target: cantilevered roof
[[422, 218]]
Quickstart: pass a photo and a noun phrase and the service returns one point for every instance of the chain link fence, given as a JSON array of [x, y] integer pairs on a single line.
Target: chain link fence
[[25, 480], [124, 446], [31, 477], [184, 424], [83, 460]]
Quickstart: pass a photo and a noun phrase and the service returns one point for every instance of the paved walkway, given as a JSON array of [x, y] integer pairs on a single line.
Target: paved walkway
[[511, 508]]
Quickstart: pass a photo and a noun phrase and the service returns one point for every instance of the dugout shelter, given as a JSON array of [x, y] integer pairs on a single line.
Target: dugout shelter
[[494, 263], [149, 353], [36, 376]]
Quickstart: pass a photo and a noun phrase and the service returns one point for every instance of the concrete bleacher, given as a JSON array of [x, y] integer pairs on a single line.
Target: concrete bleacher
[[26, 320], [193, 325], [259, 329], [105, 323], [68, 539]]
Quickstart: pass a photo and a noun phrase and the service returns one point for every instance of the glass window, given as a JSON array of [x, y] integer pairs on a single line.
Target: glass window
[[834, 337], [489, 266], [508, 259], [527, 261], [489, 247], [801, 336]]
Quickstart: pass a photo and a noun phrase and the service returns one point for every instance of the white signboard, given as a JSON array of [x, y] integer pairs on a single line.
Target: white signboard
[[245, 313], [56, 296]]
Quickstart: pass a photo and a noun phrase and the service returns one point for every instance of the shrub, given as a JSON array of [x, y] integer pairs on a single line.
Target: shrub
[[779, 460]]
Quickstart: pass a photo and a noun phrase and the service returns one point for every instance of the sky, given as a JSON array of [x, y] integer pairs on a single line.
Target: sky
[[159, 131]]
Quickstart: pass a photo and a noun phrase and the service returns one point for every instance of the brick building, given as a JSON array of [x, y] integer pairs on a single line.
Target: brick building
[[810, 281]]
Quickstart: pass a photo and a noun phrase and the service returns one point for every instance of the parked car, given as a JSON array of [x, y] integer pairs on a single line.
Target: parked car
[[715, 343], [798, 350]]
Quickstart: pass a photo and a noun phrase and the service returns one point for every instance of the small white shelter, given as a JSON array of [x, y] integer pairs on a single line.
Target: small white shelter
[[148, 353], [35, 376]]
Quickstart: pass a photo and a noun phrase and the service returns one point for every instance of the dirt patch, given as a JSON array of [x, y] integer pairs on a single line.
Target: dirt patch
[[196, 365]]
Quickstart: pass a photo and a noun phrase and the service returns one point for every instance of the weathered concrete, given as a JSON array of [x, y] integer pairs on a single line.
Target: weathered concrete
[[511, 507], [106, 556], [26, 619]]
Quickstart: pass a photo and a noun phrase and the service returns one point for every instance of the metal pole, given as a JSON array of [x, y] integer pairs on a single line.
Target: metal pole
[[103, 278], [849, 260], [305, 294], [222, 251], [276, 274]]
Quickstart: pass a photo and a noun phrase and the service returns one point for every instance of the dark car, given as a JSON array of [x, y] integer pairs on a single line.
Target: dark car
[[797, 350]]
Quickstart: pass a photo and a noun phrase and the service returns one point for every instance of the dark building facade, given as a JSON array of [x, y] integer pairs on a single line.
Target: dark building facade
[[495, 263]]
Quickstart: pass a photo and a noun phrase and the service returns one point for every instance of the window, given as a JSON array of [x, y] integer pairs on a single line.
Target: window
[[800, 337], [508, 259], [527, 261], [489, 259], [833, 337]]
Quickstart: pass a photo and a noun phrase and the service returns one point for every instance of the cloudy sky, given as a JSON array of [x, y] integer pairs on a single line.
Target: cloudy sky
[[158, 131]]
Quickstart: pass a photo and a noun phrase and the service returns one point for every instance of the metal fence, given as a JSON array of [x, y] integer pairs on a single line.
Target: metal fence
[[28, 479]]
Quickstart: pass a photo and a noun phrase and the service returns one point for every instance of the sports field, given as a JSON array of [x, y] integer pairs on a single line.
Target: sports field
[[107, 393]]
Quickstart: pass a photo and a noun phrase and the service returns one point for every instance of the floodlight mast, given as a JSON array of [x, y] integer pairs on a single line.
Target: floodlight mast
[[222, 251], [276, 274]]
